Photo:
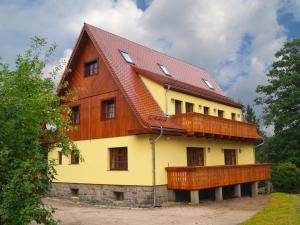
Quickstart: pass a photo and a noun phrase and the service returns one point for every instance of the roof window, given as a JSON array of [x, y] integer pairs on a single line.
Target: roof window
[[164, 69], [126, 57], [208, 84]]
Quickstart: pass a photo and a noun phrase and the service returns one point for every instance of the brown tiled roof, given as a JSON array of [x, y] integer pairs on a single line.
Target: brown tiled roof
[[140, 100]]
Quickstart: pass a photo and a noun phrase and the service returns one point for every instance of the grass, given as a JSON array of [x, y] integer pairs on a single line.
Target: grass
[[282, 209]]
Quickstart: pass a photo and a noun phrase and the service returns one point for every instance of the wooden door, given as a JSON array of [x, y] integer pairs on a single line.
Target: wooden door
[[195, 156], [230, 156]]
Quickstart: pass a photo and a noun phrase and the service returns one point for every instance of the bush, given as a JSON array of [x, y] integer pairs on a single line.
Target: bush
[[285, 177]]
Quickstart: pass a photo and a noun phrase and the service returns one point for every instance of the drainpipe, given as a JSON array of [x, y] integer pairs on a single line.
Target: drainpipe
[[166, 99], [152, 142], [260, 144]]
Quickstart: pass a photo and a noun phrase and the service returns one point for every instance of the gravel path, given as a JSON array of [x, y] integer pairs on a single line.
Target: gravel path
[[227, 212]]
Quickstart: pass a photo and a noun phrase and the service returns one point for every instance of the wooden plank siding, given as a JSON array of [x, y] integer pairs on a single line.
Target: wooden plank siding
[[202, 177], [201, 124], [92, 91]]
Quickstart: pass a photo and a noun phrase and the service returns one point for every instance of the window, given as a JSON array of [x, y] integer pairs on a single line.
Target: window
[[119, 196], [189, 107], [74, 192], [221, 113], [177, 106], [75, 115], [91, 68], [233, 117], [206, 110], [108, 109], [230, 156], [195, 157], [59, 157], [208, 84], [118, 158], [126, 57], [164, 69], [75, 157]]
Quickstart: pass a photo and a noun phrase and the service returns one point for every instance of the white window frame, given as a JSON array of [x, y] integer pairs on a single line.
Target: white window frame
[[208, 84], [126, 57], [164, 69]]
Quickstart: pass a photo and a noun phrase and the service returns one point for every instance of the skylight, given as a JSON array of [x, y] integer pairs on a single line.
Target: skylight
[[164, 69], [208, 84], [126, 57]]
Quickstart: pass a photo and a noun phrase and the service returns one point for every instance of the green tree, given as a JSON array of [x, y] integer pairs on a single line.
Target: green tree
[[280, 98], [29, 104], [250, 116]]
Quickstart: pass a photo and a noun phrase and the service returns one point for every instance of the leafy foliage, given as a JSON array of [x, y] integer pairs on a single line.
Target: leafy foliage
[[286, 178], [29, 102], [251, 117], [281, 100]]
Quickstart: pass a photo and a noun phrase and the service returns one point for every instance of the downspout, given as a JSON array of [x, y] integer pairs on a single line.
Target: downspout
[[152, 142], [255, 148], [166, 99]]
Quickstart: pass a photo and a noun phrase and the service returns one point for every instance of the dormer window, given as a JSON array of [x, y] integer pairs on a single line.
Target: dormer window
[[126, 57], [208, 84], [91, 68], [164, 69]]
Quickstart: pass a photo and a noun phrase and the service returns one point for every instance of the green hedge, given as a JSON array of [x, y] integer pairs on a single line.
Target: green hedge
[[285, 177]]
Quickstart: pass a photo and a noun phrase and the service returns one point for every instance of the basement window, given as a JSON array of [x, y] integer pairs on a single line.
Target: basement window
[[119, 196], [164, 69], [208, 84], [126, 57], [74, 192]]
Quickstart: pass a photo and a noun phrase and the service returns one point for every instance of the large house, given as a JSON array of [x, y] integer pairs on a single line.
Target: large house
[[151, 129]]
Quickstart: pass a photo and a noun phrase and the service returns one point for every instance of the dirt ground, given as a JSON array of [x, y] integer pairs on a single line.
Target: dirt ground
[[227, 212]]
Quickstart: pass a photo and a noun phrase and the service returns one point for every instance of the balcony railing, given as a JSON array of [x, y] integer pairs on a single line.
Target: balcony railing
[[196, 123], [202, 177]]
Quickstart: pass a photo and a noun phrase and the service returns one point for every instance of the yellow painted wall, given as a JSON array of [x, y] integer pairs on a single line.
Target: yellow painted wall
[[170, 151], [158, 92], [95, 168]]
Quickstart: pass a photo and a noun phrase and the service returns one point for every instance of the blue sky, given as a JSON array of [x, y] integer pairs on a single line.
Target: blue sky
[[235, 40]]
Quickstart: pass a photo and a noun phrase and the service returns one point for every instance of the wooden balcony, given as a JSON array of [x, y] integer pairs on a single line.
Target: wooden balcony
[[202, 177], [205, 125]]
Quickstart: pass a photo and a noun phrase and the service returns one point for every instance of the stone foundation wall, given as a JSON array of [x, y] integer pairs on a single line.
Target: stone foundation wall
[[134, 196]]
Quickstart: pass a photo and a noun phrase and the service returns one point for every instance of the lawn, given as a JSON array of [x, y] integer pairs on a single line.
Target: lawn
[[282, 209]]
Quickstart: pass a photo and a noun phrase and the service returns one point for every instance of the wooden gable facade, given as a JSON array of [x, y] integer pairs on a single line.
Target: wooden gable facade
[[92, 91]]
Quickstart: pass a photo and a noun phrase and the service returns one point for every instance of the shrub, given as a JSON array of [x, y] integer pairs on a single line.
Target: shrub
[[285, 177]]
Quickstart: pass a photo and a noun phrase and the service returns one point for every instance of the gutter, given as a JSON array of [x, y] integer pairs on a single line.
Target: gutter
[[153, 142]]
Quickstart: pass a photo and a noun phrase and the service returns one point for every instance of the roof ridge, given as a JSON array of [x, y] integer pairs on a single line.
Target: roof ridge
[[152, 49]]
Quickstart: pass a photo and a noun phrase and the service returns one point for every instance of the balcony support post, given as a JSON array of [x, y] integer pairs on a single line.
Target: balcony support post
[[237, 191], [268, 186], [171, 196], [219, 194], [254, 189], [194, 196]]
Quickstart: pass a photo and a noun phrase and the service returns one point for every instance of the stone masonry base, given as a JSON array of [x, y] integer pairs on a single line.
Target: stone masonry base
[[117, 195]]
